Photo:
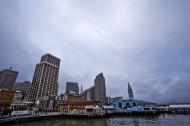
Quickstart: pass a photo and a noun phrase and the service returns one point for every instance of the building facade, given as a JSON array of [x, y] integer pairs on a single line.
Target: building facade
[[18, 102], [88, 95], [124, 104], [100, 88], [8, 78], [45, 79], [134, 105], [72, 87], [18, 97], [79, 106], [6, 97], [24, 87], [72, 97]]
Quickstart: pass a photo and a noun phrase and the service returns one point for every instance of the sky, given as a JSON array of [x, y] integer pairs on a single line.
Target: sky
[[144, 42]]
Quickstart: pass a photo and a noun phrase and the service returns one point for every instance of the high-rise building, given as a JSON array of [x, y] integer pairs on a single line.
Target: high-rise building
[[130, 92], [45, 79], [24, 87], [8, 78], [88, 94], [72, 87], [100, 88]]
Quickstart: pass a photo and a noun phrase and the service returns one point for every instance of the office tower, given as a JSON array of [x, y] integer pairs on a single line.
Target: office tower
[[24, 87], [45, 79], [130, 92], [88, 94], [8, 78], [100, 88], [72, 87]]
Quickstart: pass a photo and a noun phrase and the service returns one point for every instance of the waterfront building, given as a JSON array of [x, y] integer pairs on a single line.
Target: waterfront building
[[177, 108], [69, 106], [6, 97], [100, 88], [8, 78], [20, 106], [72, 87], [68, 98], [45, 79], [24, 87], [133, 105], [18, 102], [130, 92], [18, 97], [124, 104], [99, 109]]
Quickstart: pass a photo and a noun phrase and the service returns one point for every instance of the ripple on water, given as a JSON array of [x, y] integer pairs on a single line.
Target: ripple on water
[[162, 120]]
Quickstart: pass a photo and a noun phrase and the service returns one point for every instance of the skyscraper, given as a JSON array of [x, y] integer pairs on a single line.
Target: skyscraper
[[100, 88], [45, 79], [8, 78], [72, 87], [130, 92]]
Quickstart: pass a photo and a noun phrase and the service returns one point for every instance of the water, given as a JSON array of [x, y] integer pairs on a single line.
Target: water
[[162, 120]]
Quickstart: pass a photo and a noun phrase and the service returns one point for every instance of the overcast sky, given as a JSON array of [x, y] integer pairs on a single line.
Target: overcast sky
[[145, 42]]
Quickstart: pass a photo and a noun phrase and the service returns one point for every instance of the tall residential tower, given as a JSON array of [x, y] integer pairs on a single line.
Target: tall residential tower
[[45, 79]]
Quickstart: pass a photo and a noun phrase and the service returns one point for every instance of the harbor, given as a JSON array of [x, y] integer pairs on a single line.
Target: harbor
[[98, 113]]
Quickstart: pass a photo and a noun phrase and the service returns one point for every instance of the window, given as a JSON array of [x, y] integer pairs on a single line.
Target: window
[[134, 104], [120, 105], [127, 105]]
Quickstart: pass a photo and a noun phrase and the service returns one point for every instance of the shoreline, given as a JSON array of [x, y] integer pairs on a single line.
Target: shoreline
[[31, 118]]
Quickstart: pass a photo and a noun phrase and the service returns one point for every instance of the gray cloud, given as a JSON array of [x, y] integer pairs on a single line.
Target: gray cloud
[[144, 42]]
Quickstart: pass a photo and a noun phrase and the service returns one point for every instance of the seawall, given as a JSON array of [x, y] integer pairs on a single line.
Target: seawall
[[74, 116]]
